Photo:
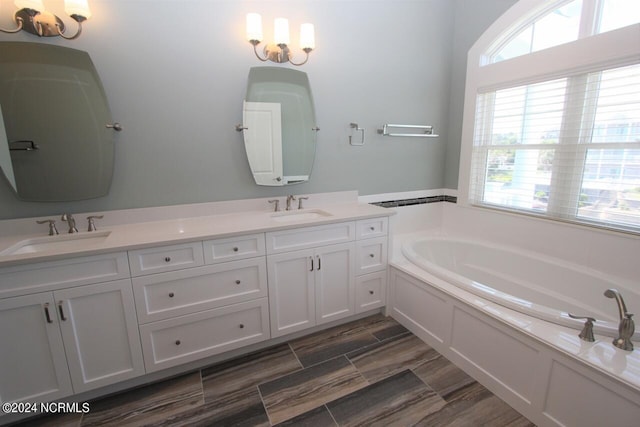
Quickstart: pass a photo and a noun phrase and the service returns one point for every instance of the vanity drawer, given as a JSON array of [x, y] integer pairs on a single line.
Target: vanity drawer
[[376, 227], [43, 276], [222, 250], [160, 296], [165, 258], [309, 237], [371, 291], [371, 255], [188, 338]]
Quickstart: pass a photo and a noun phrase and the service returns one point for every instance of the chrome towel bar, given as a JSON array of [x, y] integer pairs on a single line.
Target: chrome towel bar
[[427, 131]]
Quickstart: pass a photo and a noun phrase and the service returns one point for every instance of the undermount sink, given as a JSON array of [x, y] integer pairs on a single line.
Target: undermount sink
[[302, 215], [63, 242]]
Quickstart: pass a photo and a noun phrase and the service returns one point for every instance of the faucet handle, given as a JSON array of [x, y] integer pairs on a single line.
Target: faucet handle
[[276, 208], [52, 226], [587, 330], [300, 199], [92, 224]]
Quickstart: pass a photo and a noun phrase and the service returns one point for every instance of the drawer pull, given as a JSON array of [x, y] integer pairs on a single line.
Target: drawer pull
[[235, 249], [237, 282], [46, 313], [372, 255], [167, 259], [372, 228], [241, 326], [178, 342], [371, 292], [171, 294], [64, 319]]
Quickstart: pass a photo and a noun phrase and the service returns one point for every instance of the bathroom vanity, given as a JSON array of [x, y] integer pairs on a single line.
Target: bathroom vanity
[[140, 298]]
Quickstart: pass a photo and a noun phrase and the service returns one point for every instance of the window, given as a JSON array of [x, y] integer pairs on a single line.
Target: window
[[555, 129]]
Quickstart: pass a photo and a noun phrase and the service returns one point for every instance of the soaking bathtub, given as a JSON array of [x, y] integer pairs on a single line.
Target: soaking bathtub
[[530, 283], [500, 314]]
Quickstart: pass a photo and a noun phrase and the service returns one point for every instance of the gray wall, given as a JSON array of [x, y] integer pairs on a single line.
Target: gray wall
[[175, 74], [471, 19]]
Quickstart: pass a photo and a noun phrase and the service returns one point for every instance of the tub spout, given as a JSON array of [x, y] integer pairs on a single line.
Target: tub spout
[[626, 328]]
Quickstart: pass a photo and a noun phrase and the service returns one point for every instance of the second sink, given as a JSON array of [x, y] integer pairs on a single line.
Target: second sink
[[56, 243], [300, 215]]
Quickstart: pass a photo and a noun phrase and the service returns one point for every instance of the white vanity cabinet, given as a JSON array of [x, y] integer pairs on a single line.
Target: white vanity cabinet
[[323, 273], [371, 280], [187, 314], [66, 339]]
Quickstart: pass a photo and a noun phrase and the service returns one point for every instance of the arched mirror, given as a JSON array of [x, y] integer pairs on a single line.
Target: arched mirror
[[55, 143], [279, 126]]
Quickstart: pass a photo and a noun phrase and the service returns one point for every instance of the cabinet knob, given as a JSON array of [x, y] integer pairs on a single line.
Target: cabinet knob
[[372, 255], [167, 259], [171, 294], [237, 282], [235, 249], [371, 292], [372, 228], [177, 342], [241, 326]]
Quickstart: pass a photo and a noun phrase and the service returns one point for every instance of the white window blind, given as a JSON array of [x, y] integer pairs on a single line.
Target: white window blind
[[566, 148]]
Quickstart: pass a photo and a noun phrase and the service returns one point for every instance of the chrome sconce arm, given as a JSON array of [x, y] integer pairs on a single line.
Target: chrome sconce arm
[[79, 19], [279, 53]]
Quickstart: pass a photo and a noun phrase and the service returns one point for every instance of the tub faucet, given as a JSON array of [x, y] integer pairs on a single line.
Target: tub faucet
[[72, 222], [626, 328]]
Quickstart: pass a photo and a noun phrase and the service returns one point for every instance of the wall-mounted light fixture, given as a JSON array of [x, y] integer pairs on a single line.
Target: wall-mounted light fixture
[[279, 50], [32, 18]]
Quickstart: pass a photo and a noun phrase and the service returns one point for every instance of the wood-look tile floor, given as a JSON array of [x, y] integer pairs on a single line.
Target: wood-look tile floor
[[371, 372]]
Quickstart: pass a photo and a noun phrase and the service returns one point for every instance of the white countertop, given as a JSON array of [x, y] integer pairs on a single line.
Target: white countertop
[[173, 231]]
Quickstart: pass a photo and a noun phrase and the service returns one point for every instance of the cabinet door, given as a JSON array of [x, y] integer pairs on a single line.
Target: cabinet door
[[100, 333], [335, 282], [291, 291], [33, 366]]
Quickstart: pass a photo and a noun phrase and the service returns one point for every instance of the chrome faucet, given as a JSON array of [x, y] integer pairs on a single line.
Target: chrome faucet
[[290, 198], [52, 226], [276, 207], [626, 328], [72, 222], [300, 199], [92, 223]]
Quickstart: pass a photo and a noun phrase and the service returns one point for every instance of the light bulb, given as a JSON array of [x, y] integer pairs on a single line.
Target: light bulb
[[30, 4], [254, 27], [77, 7], [281, 31], [307, 37]]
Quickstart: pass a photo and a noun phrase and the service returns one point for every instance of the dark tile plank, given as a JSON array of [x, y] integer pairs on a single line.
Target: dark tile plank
[[443, 376], [301, 391], [473, 406], [148, 405], [319, 417], [330, 343], [391, 356], [53, 420], [237, 375], [246, 410], [400, 400]]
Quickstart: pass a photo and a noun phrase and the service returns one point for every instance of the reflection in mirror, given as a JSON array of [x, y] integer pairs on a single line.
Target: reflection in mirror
[[5, 156], [279, 126], [55, 114]]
